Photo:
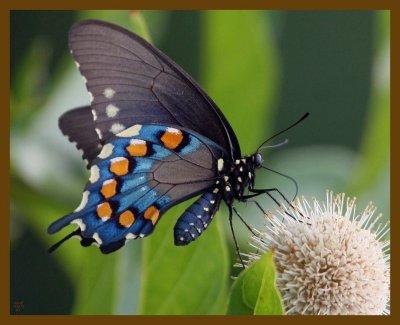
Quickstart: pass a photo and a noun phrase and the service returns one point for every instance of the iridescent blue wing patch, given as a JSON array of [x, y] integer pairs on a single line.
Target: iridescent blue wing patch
[[138, 175]]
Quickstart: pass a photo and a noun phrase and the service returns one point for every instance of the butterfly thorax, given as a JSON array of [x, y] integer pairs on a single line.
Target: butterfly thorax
[[236, 177]]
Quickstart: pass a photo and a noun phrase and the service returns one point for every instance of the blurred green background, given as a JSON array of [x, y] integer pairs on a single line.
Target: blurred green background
[[264, 69]]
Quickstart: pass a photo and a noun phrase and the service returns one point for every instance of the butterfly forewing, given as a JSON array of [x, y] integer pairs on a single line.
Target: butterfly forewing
[[132, 82]]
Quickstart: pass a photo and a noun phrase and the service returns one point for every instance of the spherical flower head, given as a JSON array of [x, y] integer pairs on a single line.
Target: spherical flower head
[[330, 260]]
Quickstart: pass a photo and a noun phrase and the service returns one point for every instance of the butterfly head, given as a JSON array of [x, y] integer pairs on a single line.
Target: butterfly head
[[257, 160]]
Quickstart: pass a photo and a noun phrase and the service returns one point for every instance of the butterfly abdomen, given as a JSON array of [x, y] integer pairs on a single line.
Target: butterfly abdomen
[[196, 218]]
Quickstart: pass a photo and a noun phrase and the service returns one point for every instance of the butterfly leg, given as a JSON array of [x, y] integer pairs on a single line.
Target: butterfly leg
[[259, 206], [273, 190], [234, 237], [258, 193], [267, 191], [243, 221]]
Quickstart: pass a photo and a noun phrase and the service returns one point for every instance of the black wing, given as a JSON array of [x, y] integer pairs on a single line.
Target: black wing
[[130, 82], [78, 125]]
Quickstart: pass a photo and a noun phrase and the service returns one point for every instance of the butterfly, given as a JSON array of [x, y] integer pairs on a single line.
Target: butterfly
[[152, 138]]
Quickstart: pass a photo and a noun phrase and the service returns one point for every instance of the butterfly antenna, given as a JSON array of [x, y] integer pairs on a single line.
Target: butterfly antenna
[[273, 146], [286, 176], [56, 245], [284, 130]]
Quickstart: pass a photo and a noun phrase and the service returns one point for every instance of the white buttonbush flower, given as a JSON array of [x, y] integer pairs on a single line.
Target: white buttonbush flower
[[330, 259]]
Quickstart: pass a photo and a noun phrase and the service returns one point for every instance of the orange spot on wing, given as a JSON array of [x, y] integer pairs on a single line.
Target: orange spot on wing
[[104, 210], [119, 166], [152, 213], [126, 218], [137, 149], [172, 138], [109, 188]]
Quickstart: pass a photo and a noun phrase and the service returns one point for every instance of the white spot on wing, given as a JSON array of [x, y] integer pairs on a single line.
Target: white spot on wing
[[94, 115], [117, 128], [84, 79], [98, 133], [91, 98], [116, 159], [130, 132], [80, 223], [108, 181], [94, 174], [173, 130], [85, 196], [220, 164], [112, 110], [108, 93], [97, 238], [137, 141], [130, 236], [77, 64], [106, 151]]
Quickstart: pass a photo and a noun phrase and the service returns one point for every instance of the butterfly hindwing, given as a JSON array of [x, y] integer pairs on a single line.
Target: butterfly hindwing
[[78, 125], [138, 175], [131, 82]]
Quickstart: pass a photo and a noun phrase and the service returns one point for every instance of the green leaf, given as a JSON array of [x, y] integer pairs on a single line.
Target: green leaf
[[39, 211], [254, 291], [119, 17], [240, 71], [139, 25], [31, 84], [188, 280], [95, 285], [127, 279], [186, 287], [375, 146]]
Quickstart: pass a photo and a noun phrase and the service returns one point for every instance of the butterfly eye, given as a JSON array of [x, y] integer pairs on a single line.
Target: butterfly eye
[[258, 160]]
